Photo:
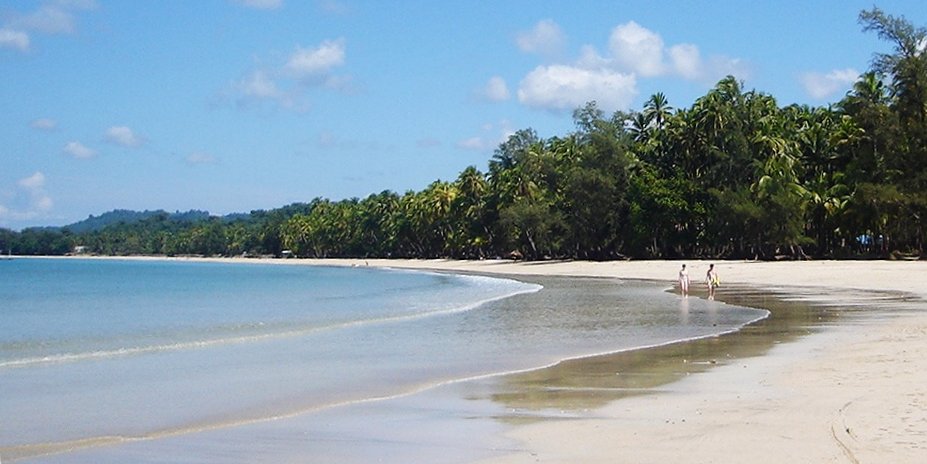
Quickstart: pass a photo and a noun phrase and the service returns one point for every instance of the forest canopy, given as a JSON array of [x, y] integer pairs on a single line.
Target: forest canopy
[[734, 175]]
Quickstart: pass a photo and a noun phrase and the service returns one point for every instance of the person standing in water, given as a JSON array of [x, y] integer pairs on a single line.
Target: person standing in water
[[713, 281], [684, 281]]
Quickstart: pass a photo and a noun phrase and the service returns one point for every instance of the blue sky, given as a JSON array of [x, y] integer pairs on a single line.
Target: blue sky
[[235, 105]]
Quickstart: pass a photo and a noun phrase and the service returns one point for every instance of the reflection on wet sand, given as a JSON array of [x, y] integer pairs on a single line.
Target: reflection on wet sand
[[579, 385]]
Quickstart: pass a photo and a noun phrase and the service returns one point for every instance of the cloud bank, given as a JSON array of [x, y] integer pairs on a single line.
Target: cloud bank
[[633, 53], [561, 87]]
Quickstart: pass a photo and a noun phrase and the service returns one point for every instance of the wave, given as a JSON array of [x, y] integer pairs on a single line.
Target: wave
[[52, 448], [105, 354]]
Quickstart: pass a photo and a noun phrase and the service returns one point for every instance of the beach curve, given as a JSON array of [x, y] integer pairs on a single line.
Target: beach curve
[[850, 394]]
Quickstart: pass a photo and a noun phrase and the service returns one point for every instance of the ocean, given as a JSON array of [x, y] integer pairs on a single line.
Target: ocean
[[99, 356]]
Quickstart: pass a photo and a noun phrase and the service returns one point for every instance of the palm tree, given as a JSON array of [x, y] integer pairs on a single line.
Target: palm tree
[[827, 198], [641, 128], [471, 227], [907, 66], [512, 151], [657, 110]]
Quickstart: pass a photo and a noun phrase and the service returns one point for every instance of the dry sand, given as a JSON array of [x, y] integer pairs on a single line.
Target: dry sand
[[856, 393]]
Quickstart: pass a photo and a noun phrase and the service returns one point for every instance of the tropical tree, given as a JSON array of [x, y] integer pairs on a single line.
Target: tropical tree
[[472, 223], [595, 190], [906, 70]]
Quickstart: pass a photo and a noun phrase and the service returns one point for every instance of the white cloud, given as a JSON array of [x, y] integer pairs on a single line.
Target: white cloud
[[492, 135], [78, 150], [261, 4], [634, 48], [821, 86], [258, 84], [545, 38], [333, 7], [719, 66], [686, 60], [287, 84], [633, 53], [29, 200], [496, 90], [43, 202], [637, 49], [123, 136], [48, 19], [561, 87], [310, 63], [35, 181], [472, 143], [45, 124], [51, 17], [339, 83], [14, 39], [198, 158], [590, 58]]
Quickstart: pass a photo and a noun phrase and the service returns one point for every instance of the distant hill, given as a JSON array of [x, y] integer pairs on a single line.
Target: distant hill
[[95, 223]]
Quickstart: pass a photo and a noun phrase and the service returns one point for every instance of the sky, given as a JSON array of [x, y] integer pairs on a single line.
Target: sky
[[231, 106]]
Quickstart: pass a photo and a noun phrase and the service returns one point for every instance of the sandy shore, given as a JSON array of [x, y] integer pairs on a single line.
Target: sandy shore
[[856, 393]]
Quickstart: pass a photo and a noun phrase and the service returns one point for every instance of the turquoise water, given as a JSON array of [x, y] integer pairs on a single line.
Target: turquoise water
[[107, 352]]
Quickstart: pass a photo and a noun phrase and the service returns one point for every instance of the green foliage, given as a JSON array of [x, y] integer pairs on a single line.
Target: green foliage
[[41, 241], [530, 224], [733, 175]]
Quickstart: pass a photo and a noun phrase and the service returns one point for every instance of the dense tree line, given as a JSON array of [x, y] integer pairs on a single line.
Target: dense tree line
[[733, 175]]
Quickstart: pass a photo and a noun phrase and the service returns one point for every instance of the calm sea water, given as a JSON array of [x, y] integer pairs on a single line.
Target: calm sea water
[[106, 351]]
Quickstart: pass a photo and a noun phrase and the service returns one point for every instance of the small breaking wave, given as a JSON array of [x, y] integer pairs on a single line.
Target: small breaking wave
[[106, 354]]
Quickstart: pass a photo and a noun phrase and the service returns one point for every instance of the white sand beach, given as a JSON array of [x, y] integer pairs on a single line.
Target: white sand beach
[[856, 393]]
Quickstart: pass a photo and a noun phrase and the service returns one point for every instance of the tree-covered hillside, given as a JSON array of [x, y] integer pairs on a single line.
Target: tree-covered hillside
[[95, 223], [733, 175]]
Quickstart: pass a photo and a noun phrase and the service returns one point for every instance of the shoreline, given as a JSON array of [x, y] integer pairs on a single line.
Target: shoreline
[[872, 275], [852, 393]]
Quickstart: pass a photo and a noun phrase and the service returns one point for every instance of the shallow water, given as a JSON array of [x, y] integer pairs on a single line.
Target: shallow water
[[167, 360]]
